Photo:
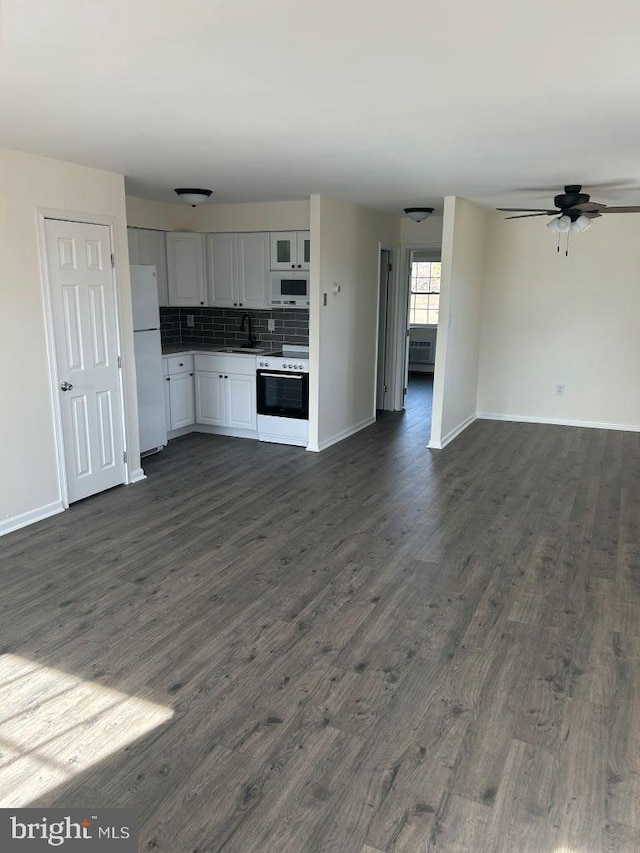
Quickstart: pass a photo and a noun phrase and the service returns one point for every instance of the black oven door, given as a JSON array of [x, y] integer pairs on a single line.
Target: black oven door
[[285, 395]]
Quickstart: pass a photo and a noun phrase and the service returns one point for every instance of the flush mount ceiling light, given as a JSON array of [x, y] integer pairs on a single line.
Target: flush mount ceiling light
[[192, 196], [418, 214]]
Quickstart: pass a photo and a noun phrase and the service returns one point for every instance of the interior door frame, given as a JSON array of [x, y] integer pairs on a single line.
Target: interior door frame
[[394, 256], [401, 357], [42, 214]]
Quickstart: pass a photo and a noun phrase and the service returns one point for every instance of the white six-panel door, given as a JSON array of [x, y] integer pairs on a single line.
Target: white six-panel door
[[85, 332]]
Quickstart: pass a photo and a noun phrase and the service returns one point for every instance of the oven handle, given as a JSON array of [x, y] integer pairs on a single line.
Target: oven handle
[[281, 375]]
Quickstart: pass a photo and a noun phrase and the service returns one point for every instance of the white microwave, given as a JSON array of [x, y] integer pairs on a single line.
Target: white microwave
[[289, 290]]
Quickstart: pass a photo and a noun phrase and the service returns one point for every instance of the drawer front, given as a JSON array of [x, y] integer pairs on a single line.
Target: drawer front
[[242, 364], [180, 364]]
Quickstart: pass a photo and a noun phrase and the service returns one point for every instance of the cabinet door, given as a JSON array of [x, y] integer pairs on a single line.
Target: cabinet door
[[210, 398], [181, 400], [240, 399], [133, 238], [222, 270], [284, 245], [253, 270], [153, 250], [185, 269], [304, 250]]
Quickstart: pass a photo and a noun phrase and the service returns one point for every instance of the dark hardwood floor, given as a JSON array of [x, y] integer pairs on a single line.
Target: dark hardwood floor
[[377, 648]]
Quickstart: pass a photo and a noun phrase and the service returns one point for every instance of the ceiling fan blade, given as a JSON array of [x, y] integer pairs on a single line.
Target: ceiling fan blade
[[635, 209], [527, 215], [588, 205], [527, 209], [592, 214]]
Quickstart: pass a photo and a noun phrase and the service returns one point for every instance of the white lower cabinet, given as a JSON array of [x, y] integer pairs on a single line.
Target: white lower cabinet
[[226, 392], [179, 404], [210, 398]]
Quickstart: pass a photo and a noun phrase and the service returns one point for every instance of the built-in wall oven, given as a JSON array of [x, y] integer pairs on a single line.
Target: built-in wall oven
[[282, 390]]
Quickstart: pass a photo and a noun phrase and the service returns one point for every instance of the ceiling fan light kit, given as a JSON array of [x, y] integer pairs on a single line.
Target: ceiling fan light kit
[[573, 212], [193, 196]]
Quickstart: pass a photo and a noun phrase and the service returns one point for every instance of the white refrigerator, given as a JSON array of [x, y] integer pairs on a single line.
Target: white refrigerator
[[148, 355]]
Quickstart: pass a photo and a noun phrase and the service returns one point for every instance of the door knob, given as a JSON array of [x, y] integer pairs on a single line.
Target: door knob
[[66, 386]]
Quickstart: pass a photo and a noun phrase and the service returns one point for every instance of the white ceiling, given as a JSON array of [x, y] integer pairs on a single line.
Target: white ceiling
[[386, 104]]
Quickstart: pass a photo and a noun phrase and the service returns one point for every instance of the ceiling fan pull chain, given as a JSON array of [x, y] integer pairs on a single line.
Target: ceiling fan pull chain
[[558, 248], [566, 251]]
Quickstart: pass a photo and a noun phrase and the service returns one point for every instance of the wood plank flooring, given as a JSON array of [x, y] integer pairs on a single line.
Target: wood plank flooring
[[377, 649]]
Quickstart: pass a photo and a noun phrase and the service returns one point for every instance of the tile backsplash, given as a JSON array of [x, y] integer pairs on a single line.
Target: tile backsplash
[[221, 326]]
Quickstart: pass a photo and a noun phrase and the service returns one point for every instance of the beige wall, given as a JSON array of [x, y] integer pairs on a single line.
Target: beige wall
[[456, 371], [426, 233], [548, 319], [143, 213], [343, 335], [27, 446], [262, 216]]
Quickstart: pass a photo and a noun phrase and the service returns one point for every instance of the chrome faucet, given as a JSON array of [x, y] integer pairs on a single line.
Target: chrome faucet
[[251, 341]]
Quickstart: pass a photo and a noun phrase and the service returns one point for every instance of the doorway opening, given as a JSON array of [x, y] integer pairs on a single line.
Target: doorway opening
[[424, 276]]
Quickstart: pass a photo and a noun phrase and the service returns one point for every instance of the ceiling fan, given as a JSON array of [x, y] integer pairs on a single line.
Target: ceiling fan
[[574, 210]]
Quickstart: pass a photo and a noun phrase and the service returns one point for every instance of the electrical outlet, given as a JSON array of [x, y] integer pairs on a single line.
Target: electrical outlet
[[271, 325], [190, 321], [560, 390]]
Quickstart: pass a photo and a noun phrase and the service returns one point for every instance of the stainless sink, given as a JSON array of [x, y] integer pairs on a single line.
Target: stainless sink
[[249, 350]]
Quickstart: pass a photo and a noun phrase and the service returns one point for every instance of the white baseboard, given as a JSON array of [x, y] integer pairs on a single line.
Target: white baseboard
[[528, 419], [30, 517], [454, 433], [136, 475], [340, 436]]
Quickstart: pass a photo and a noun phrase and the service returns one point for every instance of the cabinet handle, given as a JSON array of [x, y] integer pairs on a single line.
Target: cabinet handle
[[181, 364], [219, 376], [235, 304], [226, 377], [168, 379], [240, 304], [293, 266], [191, 374]]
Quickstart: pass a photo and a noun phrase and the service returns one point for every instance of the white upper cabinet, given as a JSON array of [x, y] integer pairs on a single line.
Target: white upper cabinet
[[238, 270], [185, 269], [222, 270], [290, 250], [149, 247], [153, 250], [304, 249], [133, 237], [253, 270]]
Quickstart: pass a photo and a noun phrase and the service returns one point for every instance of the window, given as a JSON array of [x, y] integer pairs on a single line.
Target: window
[[424, 293]]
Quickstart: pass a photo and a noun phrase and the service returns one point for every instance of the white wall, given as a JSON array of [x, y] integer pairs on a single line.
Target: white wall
[[548, 319], [456, 371], [29, 486], [345, 248]]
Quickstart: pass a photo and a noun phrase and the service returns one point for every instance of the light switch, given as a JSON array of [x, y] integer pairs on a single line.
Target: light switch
[[190, 321]]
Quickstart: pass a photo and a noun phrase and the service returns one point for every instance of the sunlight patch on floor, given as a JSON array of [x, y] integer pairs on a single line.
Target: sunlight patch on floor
[[54, 726]]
